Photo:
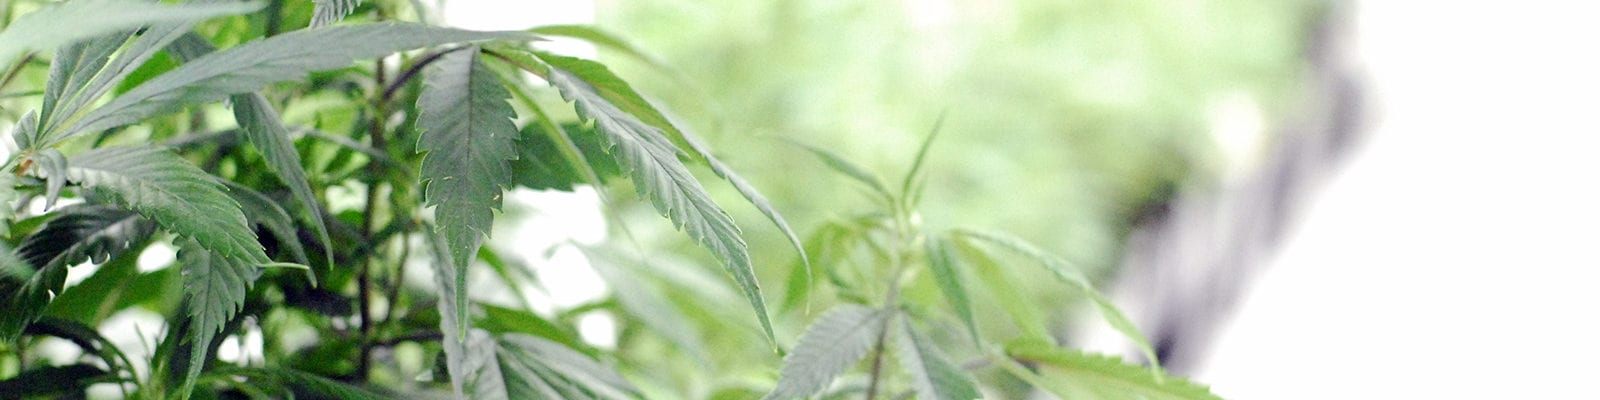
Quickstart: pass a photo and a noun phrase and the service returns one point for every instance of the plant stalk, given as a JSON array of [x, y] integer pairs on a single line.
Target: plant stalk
[[398, 280], [902, 235], [411, 72], [274, 23], [379, 142]]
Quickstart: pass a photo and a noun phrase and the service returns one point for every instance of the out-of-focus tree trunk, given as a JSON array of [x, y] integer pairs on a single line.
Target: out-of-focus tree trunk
[[1189, 260]]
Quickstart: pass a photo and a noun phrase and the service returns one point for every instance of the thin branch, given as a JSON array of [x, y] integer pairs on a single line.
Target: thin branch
[[411, 72], [420, 336], [877, 359], [902, 237], [379, 142], [883, 334], [396, 283]]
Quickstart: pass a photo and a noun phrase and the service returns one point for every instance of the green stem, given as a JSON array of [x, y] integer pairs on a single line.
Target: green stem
[[411, 72], [398, 281], [902, 237], [419, 336], [877, 360], [380, 143], [274, 23]]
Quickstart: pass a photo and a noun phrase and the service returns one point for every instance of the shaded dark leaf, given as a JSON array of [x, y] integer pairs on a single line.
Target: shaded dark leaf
[[84, 233], [303, 384], [79, 233], [54, 382], [102, 294], [540, 164]]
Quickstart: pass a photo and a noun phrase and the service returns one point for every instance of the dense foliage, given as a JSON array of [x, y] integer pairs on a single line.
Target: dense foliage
[[300, 156]]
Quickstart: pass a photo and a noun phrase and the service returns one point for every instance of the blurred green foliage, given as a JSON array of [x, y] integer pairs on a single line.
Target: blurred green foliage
[[1067, 118]]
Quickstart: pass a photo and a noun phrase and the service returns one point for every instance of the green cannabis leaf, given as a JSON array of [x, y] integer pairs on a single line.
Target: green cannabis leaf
[[175, 194], [1001, 284], [53, 381], [83, 72], [248, 67], [535, 368], [1073, 276], [514, 365], [943, 265], [1075, 375], [72, 71], [932, 375], [260, 126], [653, 163], [619, 93], [328, 12], [835, 342], [219, 252], [53, 167], [296, 381], [600, 37], [78, 233], [542, 165], [259, 210], [43, 30], [8, 200], [465, 351], [215, 285], [84, 233], [414, 132], [851, 170], [470, 142]]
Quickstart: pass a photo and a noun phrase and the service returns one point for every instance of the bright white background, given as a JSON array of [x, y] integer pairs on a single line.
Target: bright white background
[[1456, 256]]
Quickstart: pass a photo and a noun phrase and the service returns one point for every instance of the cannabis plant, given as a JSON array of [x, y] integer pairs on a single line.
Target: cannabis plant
[[300, 154], [883, 267]]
